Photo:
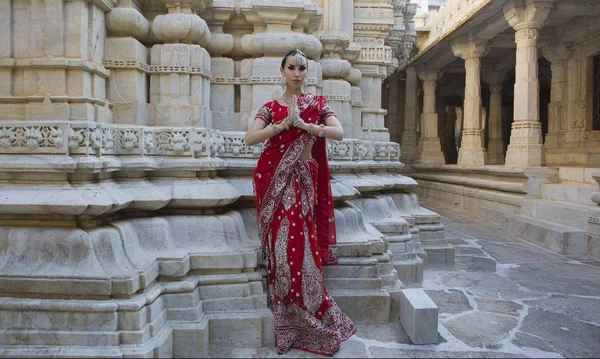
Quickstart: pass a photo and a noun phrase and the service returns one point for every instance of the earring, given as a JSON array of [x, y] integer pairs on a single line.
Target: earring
[[304, 84], [283, 83]]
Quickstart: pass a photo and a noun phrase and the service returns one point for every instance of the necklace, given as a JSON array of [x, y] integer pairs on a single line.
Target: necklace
[[288, 100]]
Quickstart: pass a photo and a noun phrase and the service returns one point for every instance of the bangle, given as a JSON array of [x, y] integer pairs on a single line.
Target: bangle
[[310, 126], [275, 129], [322, 132]]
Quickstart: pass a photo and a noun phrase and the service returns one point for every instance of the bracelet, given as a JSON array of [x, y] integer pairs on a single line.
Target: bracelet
[[310, 126], [322, 132], [275, 129]]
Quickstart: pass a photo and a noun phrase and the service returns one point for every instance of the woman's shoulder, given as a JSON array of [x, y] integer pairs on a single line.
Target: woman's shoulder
[[269, 104]]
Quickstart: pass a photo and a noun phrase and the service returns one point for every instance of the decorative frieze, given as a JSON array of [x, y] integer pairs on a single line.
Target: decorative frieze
[[18, 138], [158, 69]]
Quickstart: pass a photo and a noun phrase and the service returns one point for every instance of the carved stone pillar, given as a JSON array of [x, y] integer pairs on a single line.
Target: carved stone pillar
[[51, 64], [373, 21], [126, 57], [408, 141], [429, 147], [410, 33], [180, 86], [525, 148], [558, 55], [471, 151], [355, 103], [222, 89], [495, 151], [336, 69]]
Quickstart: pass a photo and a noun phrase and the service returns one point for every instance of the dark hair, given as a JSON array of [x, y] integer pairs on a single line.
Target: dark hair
[[295, 53]]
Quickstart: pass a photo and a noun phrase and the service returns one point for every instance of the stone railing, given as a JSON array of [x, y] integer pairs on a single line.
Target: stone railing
[[234, 146], [91, 138]]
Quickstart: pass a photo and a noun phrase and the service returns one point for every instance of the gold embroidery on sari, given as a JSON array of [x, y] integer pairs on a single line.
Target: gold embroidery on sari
[[312, 284], [308, 189], [289, 196], [282, 274], [281, 177]]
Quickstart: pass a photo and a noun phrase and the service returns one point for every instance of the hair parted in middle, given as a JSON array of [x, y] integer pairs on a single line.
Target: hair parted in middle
[[298, 55]]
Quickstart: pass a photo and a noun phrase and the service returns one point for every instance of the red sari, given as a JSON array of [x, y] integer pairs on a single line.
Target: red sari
[[297, 231]]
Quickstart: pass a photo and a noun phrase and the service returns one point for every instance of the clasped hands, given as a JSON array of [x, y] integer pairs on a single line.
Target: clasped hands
[[293, 119]]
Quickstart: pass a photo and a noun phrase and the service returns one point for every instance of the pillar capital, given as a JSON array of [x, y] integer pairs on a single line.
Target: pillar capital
[[467, 48], [529, 14], [493, 78], [429, 74], [557, 52]]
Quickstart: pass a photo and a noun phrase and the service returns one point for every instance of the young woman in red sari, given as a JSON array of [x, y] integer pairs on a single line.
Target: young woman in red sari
[[295, 213]]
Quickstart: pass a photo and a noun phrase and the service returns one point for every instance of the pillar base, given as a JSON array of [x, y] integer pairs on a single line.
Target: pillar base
[[471, 156], [495, 155], [527, 155], [525, 148], [430, 152], [408, 146]]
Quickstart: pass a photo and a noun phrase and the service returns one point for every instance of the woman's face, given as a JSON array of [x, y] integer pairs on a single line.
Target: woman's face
[[294, 71]]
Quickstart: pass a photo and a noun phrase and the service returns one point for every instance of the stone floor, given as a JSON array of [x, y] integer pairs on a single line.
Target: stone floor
[[503, 298]]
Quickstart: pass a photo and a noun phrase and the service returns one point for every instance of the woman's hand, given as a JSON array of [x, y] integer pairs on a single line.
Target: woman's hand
[[297, 121]]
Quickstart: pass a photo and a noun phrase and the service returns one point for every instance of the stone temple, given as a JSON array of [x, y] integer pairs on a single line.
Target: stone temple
[[127, 219]]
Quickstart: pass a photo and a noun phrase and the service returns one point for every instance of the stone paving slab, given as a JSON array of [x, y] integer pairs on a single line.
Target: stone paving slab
[[503, 298]]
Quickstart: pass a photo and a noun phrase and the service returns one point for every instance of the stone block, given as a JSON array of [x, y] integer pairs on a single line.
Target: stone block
[[410, 271], [371, 306], [419, 316], [439, 254], [190, 340], [237, 329]]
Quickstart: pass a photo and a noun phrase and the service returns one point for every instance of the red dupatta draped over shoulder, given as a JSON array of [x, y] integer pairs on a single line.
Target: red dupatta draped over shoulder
[[297, 232]]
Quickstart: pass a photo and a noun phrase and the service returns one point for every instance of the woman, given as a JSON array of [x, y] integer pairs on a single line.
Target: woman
[[295, 213]]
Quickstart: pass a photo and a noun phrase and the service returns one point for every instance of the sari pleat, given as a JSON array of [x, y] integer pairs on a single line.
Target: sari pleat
[[297, 232]]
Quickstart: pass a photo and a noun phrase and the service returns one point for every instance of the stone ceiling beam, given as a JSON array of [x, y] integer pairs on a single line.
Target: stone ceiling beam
[[577, 8], [490, 29], [571, 30]]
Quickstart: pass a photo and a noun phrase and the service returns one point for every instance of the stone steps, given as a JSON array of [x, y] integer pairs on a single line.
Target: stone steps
[[557, 237], [568, 214]]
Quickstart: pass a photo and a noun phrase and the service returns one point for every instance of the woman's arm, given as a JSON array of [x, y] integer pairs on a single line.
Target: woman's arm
[[259, 131], [331, 129]]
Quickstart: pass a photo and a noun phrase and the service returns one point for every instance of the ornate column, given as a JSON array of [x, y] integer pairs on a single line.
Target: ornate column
[[222, 89], [180, 86], [408, 141], [471, 151], [410, 33], [525, 148], [373, 20], [495, 151], [51, 67], [336, 69], [429, 151], [559, 56], [355, 102], [126, 57]]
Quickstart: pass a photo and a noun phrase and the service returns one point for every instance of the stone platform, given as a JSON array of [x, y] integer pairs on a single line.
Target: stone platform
[[503, 298]]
